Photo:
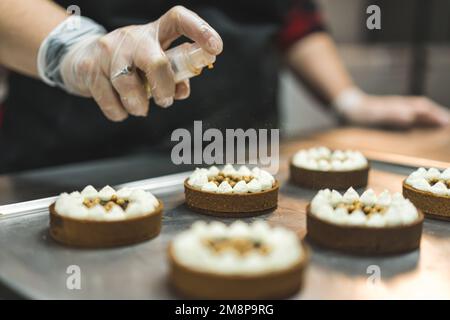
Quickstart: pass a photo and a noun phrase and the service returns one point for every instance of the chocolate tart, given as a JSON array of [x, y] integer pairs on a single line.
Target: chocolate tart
[[97, 234], [364, 240], [231, 204], [432, 205], [196, 284], [339, 180]]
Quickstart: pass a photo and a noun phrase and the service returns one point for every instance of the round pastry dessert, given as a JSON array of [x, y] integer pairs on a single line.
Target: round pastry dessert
[[370, 224], [240, 261], [429, 190], [230, 192], [319, 168], [105, 218]]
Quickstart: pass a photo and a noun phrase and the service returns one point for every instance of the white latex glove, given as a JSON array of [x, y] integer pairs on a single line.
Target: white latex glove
[[396, 111], [90, 67]]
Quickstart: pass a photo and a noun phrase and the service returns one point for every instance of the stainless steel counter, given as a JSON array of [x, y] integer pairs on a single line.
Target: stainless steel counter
[[34, 266]]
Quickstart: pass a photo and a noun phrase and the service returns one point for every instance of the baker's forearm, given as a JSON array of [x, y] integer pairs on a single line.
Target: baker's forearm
[[24, 24], [316, 59]]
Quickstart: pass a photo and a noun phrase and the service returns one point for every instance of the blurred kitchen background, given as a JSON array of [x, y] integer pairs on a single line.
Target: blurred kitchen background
[[409, 55]]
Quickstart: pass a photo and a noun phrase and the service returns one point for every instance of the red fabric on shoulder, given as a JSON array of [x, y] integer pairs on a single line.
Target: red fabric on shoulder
[[303, 19]]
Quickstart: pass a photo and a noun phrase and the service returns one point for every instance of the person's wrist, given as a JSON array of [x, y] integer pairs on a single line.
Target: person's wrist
[[348, 100], [57, 44], [77, 65]]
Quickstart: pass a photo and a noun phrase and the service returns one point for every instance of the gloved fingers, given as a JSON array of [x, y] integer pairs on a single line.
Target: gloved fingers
[[105, 96], [389, 111], [182, 90], [399, 112], [129, 86], [399, 117], [117, 49], [132, 93], [396, 112], [429, 112], [179, 21], [91, 66], [157, 69], [444, 116]]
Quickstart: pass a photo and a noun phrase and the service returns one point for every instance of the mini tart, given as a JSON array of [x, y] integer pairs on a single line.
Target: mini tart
[[231, 203], [95, 231], [204, 283], [339, 180], [421, 188], [433, 205], [361, 239], [306, 169]]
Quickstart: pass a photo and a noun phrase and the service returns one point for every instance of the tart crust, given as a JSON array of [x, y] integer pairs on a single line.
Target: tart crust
[[339, 180], [99, 234], [208, 285], [364, 240], [231, 204], [433, 205]]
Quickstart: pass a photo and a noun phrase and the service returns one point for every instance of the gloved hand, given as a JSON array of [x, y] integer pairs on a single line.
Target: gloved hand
[[395, 111], [92, 67]]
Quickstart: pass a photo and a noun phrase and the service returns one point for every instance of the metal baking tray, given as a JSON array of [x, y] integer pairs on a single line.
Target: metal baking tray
[[33, 266]]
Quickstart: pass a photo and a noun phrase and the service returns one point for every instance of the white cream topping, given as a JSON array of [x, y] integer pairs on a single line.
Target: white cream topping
[[335, 197], [384, 209], [323, 159], [106, 193], [140, 202], [260, 180], [431, 180], [229, 170], [198, 178], [254, 186], [350, 196], [369, 198], [224, 187], [124, 192], [97, 212], [213, 171], [445, 175], [385, 199], [357, 217], [244, 172], [89, 192], [439, 188], [210, 187], [240, 187], [191, 248], [116, 213], [432, 173]]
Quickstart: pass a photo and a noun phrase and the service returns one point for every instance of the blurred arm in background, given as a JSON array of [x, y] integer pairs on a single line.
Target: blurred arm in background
[[312, 54], [24, 25]]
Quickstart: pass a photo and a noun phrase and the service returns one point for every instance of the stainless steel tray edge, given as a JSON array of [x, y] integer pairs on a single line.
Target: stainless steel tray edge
[[156, 185]]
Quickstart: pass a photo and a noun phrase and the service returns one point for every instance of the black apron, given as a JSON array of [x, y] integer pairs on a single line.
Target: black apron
[[44, 126]]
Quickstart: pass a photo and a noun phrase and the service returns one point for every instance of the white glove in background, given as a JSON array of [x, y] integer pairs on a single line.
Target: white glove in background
[[397, 111], [89, 66]]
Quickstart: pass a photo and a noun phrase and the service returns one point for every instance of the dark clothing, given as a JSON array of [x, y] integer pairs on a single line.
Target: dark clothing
[[44, 126]]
